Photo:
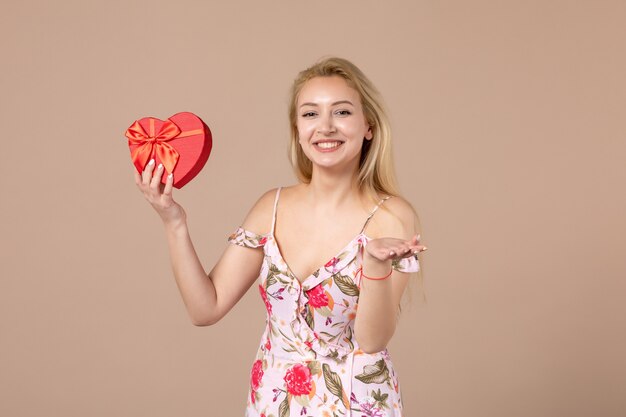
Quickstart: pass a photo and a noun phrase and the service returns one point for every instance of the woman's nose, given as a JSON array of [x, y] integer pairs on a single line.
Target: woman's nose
[[326, 125]]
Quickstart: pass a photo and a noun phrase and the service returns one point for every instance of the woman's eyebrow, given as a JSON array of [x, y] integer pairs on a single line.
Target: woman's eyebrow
[[333, 104]]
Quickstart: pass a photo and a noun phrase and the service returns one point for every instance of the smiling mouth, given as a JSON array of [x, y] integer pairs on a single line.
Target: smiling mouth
[[328, 144]]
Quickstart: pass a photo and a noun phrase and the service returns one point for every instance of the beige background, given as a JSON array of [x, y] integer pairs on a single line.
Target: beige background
[[509, 141]]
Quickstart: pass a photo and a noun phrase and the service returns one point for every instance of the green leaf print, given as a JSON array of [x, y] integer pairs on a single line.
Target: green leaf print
[[346, 285], [276, 273], [395, 264], [374, 374], [283, 281], [314, 367], [309, 317], [381, 398], [274, 270], [324, 311], [333, 382], [283, 409], [348, 338], [271, 280]]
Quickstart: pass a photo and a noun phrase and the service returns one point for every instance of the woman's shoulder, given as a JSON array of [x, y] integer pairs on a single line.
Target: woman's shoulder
[[259, 218], [397, 218], [398, 205]]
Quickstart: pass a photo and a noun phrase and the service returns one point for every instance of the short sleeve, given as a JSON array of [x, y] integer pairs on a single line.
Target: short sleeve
[[246, 238], [410, 264]]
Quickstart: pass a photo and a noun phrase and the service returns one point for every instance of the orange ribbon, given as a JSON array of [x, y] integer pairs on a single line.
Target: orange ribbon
[[155, 143]]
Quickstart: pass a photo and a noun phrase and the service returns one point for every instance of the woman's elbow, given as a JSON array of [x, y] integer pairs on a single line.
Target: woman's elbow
[[204, 320], [201, 323]]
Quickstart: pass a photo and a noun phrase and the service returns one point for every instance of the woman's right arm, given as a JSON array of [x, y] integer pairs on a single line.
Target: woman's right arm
[[207, 298]]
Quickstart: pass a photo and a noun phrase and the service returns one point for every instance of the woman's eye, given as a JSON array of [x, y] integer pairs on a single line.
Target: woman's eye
[[308, 114], [344, 112]]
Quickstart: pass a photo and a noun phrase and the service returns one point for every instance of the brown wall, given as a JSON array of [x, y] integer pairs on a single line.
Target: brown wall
[[509, 141]]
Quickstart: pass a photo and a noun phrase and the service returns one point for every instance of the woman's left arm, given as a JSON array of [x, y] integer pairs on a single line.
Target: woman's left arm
[[375, 322]]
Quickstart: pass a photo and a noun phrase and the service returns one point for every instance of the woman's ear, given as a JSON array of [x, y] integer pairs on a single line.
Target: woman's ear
[[369, 135]]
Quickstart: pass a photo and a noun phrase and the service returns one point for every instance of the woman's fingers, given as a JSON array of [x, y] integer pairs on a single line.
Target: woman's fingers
[[399, 250], [152, 185], [415, 240], [412, 247], [159, 195], [419, 248], [391, 248], [169, 182], [156, 179], [415, 246], [147, 172]]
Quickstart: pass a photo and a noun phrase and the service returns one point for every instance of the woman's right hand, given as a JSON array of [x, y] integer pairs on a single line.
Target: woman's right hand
[[160, 195]]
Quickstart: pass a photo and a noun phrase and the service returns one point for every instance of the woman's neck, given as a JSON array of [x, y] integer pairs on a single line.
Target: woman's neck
[[331, 190]]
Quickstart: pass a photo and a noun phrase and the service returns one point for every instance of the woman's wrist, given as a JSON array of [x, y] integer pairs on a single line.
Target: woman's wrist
[[175, 226], [374, 267]]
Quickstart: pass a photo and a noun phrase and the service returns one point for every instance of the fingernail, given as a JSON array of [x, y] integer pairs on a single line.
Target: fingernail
[[425, 249], [392, 253], [151, 162], [418, 237], [160, 166], [170, 176]]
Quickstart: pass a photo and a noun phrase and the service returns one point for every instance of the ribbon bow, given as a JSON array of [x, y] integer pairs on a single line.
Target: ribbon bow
[[153, 143]]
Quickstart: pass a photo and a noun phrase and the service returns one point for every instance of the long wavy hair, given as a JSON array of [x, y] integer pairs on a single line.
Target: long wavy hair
[[376, 172]]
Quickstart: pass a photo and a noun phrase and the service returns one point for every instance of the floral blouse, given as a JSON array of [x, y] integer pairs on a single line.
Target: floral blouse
[[308, 362]]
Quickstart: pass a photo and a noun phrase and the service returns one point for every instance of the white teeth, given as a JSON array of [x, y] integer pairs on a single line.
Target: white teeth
[[328, 145]]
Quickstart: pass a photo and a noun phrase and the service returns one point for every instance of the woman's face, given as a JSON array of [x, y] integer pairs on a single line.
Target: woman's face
[[330, 121]]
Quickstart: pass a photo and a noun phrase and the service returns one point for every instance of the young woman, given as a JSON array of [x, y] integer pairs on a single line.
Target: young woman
[[341, 238]]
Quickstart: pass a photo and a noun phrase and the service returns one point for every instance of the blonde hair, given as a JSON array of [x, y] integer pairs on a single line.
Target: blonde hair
[[376, 168]]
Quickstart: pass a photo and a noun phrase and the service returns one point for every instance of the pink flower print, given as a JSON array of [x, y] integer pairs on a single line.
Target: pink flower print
[[277, 295], [255, 378], [317, 297], [370, 410], [263, 240], [268, 345], [332, 262], [276, 392], [298, 379], [256, 374], [268, 306]]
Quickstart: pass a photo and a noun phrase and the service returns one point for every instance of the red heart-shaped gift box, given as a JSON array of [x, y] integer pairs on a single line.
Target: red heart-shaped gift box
[[181, 143]]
